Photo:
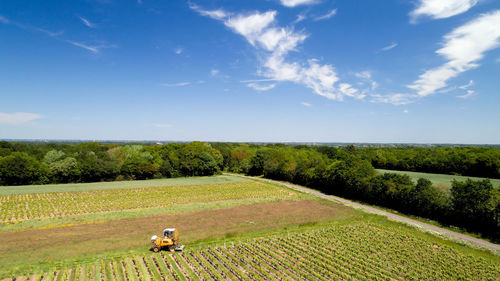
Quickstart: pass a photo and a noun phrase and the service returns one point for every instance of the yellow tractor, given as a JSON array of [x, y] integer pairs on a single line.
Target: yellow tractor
[[170, 241]]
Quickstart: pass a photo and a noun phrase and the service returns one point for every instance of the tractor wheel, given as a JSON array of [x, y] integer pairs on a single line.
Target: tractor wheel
[[156, 249], [170, 248]]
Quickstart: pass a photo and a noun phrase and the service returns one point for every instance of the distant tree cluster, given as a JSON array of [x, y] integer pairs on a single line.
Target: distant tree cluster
[[466, 161], [22, 164]]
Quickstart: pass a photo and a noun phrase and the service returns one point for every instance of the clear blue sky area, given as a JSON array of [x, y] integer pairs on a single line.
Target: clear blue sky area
[[423, 71]]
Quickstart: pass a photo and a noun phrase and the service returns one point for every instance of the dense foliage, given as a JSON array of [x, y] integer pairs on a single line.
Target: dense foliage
[[465, 161], [346, 171], [22, 163]]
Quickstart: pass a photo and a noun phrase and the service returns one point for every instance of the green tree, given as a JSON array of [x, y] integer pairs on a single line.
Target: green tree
[[19, 168]]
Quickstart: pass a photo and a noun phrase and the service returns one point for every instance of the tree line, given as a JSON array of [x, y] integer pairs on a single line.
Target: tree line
[[345, 171], [23, 164]]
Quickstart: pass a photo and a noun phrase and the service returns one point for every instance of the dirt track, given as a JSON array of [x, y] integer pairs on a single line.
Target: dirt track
[[391, 216]]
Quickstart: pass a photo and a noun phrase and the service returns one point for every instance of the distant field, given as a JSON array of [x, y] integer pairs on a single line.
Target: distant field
[[24, 189], [438, 179], [359, 251], [22, 207]]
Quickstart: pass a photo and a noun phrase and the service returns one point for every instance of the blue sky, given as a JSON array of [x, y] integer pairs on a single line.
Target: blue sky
[[422, 71]]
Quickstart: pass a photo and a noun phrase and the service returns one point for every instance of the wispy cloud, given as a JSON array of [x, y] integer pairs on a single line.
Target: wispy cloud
[[93, 49], [300, 17], [306, 104], [327, 15], [294, 3], [364, 74], [178, 51], [18, 118], [389, 47], [58, 36], [470, 93], [261, 88], [162, 125], [214, 72], [179, 84], [87, 22], [4, 20], [261, 31], [440, 9], [466, 86], [406, 111], [395, 99], [463, 48], [218, 14]]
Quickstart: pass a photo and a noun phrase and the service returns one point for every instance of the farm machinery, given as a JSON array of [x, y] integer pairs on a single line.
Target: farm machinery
[[169, 242]]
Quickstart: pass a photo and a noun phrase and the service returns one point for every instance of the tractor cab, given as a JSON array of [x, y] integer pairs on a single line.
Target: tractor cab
[[169, 241], [170, 233]]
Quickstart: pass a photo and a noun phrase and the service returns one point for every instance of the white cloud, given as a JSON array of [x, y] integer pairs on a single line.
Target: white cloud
[[294, 3], [388, 47], [364, 75], [466, 86], [300, 17], [462, 48], [162, 125], [405, 111], [261, 88], [469, 94], [4, 20], [214, 72], [18, 118], [87, 22], [327, 15], [218, 14], [395, 99], [306, 104], [178, 51], [260, 30], [179, 84], [250, 26], [439, 9], [93, 49]]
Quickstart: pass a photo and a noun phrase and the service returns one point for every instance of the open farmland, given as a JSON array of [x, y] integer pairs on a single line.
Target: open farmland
[[92, 186], [359, 251], [21, 207], [239, 229], [441, 180]]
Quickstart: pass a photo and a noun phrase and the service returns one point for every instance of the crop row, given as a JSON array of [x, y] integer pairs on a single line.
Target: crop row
[[363, 251], [44, 205]]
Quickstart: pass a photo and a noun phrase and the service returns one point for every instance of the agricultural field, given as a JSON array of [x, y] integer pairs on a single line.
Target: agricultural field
[[21, 207], [441, 180], [68, 187], [233, 229], [358, 251]]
